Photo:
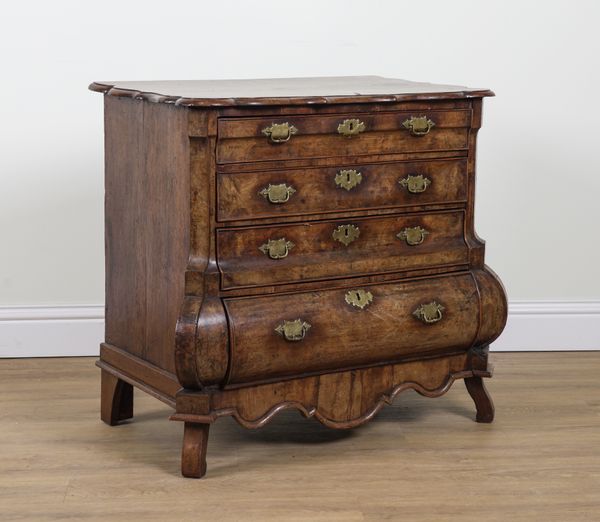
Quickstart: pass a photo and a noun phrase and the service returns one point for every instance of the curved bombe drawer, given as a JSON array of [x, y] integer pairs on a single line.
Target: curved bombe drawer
[[298, 192], [296, 334], [284, 137], [278, 254]]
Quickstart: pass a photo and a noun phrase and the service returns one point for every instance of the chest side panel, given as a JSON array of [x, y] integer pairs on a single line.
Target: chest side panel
[[147, 226]]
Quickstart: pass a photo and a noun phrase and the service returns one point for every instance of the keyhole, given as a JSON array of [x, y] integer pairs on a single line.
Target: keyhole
[[346, 232], [358, 297], [348, 177], [351, 125]]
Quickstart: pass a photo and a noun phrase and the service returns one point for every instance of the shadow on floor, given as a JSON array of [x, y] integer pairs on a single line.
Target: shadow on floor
[[157, 441]]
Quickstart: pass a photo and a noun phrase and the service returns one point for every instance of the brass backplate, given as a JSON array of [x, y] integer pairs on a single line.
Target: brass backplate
[[429, 312], [277, 248], [279, 132], [351, 127], [413, 235], [415, 184], [278, 193], [293, 330], [359, 298], [346, 234], [418, 126], [348, 179]]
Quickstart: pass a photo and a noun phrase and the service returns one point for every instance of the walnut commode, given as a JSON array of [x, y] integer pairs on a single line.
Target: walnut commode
[[302, 243]]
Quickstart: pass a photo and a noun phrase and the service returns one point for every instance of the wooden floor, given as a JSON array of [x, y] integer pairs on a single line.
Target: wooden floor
[[422, 459]]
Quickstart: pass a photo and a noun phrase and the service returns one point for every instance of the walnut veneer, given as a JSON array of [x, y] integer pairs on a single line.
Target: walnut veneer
[[298, 243]]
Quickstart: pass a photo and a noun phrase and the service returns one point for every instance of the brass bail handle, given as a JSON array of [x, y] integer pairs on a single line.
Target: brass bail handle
[[429, 313], [278, 193], [418, 126], [279, 132], [277, 248], [413, 235], [293, 330], [415, 184]]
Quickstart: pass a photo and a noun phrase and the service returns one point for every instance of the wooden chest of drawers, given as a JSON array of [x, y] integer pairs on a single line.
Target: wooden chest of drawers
[[300, 243]]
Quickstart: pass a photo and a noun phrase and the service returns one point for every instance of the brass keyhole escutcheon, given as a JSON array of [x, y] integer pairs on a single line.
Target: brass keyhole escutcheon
[[279, 132], [277, 248], [278, 193], [293, 330], [345, 234], [413, 235], [348, 179], [359, 298], [351, 127], [418, 126], [415, 184], [429, 312]]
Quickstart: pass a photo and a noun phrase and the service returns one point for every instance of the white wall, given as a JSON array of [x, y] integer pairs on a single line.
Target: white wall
[[539, 167]]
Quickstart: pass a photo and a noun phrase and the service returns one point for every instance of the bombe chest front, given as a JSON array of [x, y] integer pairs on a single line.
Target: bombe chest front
[[315, 252]]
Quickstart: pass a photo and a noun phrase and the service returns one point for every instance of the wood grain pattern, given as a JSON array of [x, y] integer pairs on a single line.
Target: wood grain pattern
[[242, 140], [132, 369], [337, 400], [357, 109], [481, 397], [147, 226], [357, 281], [310, 125], [301, 163], [476, 244], [193, 453], [317, 192], [493, 306], [285, 91], [116, 399], [317, 255], [125, 282], [340, 333]]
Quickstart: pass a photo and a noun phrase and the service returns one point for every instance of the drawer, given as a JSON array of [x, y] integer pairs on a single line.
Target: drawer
[[250, 195], [276, 254], [252, 139], [294, 334]]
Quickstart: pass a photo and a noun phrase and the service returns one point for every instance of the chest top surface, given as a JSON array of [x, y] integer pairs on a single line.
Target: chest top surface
[[285, 91]]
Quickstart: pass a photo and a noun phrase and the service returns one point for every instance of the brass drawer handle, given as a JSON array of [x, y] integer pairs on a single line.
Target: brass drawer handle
[[280, 132], [415, 184], [418, 126], [346, 234], [293, 330], [279, 193], [359, 298], [351, 127], [277, 248], [348, 179], [413, 235], [429, 312]]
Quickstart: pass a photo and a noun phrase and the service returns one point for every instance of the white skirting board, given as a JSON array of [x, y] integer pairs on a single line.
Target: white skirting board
[[51, 331], [58, 331]]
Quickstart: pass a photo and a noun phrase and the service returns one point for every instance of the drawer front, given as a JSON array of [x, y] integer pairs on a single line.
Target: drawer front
[[328, 249], [252, 139], [285, 335], [250, 195]]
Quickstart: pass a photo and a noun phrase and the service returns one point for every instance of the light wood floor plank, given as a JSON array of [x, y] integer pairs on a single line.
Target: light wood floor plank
[[422, 459]]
